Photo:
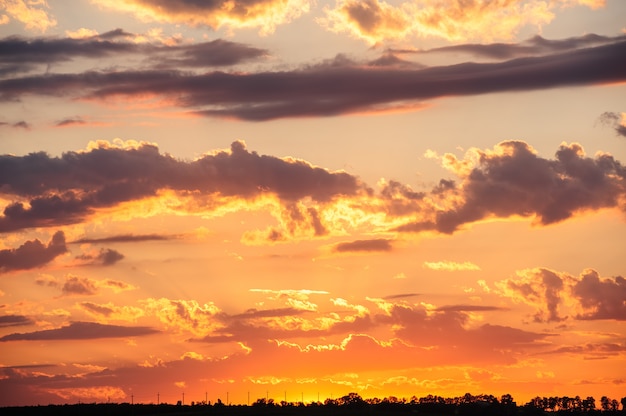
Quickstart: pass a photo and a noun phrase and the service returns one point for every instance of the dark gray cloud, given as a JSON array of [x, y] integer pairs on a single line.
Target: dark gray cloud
[[105, 257], [67, 189], [32, 254], [19, 55], [126, 238], [613, 120], [401, 296], [14, 320], [516, 181], [70, 122], [18, 124], [469, 308], [601, 298], [536, 45], [79, 286], [81, 330], [327, 91], [364, 245]]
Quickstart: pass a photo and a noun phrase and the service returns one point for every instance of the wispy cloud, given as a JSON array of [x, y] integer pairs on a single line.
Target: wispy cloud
[[363, 246], [450, 266], [327, 91], [81, 330]]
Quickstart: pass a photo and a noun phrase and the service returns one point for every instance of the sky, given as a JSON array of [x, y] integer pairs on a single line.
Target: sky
[[298, 199]]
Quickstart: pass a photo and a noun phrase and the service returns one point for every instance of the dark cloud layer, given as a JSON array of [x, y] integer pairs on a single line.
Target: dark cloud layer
[[81, 330], [536, 45], [14, 320], [19, 55], [326, 91], [32, 254], [66, 189]]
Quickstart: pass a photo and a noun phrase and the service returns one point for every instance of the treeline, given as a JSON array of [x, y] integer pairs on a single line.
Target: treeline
[[348, 405]]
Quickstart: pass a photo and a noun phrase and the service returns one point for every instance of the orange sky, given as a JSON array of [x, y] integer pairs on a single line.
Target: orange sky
[[304, 199]]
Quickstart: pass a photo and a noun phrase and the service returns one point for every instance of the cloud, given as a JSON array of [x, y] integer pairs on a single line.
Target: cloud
[[590, 296], [328, 91], [14, 320], [534, 46], [109, 311], [32, 254], [469, 308], [378, 21], [601, 298], [79, 286], [20, 55], [81, 330], [616, 121], [512, 180], [263, 14], [70, 188], [105, 257], [364, 246], [126, 238], [70, 122], [32, 14], [450, 266], [590, 350], [19, 124]]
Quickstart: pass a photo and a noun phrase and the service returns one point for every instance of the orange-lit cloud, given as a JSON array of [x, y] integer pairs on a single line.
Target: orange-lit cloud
[[378, 21], [263, 14], [450, 265], [586, 297], [32, 14]]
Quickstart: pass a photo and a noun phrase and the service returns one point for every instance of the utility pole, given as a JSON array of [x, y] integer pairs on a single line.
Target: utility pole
[[132, 399], [206, 397], [183, 398]]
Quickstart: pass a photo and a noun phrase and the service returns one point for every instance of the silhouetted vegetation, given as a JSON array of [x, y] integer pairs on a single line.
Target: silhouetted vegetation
[[350, 404]]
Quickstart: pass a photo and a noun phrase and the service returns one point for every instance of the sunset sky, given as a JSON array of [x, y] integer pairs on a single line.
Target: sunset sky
[[297, 199]]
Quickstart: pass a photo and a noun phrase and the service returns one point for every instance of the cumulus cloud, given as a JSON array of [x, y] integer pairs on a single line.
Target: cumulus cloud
[[328, 90], [32, 254], [70, 188], [81, 330], [377, 20], [79, 286], [589, 296], [512, 180], [33, 15], [600, 298], [263, 14]]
